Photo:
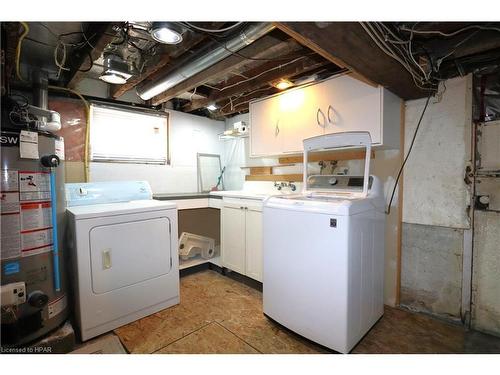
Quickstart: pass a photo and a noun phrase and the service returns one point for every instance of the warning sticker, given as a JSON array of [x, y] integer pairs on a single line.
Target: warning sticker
[[34, 181], [57, 306], [10, 202], [28, 147], [60, 148], [36, 215], [36, 239], [10, 180], [34, 196], [11, 241]]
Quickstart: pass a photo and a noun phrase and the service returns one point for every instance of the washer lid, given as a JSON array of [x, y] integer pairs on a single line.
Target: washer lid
[[333, 204], [122, 208]]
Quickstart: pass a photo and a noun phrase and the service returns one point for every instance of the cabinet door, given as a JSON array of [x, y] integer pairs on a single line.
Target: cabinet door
[[267, 128], [233, 238], [253, 227], [355, 106], [303, 115]]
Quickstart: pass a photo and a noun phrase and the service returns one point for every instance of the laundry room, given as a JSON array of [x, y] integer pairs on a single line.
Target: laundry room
[[296, 184]]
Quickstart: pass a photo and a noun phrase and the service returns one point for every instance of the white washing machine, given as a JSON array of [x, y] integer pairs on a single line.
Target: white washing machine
[[123, 247], [324, 252]]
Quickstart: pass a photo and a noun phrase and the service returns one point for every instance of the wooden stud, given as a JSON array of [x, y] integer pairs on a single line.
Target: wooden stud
[[267, 73], [275, 177], [326, 156], [400, 206], [266, 46]]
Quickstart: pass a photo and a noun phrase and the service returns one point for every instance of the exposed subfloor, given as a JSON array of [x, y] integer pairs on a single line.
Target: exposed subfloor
[[219, 314]]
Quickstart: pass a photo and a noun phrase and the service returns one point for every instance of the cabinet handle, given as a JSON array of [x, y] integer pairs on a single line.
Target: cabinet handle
[[317, 118], [330, 108], [277, 128]]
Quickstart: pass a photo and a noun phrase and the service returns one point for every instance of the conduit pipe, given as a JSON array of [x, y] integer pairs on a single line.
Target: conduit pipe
[[194, 66]]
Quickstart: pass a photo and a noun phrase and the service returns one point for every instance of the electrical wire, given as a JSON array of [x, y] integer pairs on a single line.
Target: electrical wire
[[388, 210], [212, 30], [18, 50], [437, 32]]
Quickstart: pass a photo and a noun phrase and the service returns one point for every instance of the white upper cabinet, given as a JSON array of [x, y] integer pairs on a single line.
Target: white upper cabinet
[[280, 123]]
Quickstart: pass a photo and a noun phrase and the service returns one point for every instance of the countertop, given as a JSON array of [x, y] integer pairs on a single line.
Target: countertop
[[178, 196]]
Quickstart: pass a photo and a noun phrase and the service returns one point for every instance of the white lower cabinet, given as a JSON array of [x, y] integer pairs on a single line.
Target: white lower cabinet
[[241, 238]]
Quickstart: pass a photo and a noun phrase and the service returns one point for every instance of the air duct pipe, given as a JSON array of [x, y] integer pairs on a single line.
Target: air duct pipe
[[244, 38]]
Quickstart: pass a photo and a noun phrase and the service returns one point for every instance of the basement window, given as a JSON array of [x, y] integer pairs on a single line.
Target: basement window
[[128, 136]]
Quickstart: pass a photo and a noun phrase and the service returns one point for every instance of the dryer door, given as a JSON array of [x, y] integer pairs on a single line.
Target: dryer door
[[123, 254]]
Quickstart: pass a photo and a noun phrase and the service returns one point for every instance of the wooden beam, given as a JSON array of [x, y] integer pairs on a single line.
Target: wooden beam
[[160, 65], [275, 177], [264, 75], [266, 46], [105, 36], [348, 45], [326, 156]]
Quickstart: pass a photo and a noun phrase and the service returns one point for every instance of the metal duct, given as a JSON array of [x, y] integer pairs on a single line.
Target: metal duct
[[246, 37]]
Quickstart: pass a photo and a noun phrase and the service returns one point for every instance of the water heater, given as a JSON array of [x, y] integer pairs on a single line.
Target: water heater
[[34, 297]]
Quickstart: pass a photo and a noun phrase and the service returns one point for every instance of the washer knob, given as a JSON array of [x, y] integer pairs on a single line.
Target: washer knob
[[332, 181]]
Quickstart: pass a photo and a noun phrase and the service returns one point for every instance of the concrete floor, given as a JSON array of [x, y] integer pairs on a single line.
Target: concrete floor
[[219, 314]]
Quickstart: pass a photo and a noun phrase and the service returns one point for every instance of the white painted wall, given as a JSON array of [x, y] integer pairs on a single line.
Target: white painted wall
[[434, 188], [188, 135]]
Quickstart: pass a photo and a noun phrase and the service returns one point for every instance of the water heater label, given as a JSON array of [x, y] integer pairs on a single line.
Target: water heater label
[[57, 306], [36, 215], [28, 145], [10, 180], [10, 202], [34, 186], [36, 242], [11, 241]]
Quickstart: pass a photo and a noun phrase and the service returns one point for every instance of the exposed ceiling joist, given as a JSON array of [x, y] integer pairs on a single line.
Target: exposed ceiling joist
[[94, 48], [229, 107], [348, 45], [159, 65], [266, 46], [260, 77]]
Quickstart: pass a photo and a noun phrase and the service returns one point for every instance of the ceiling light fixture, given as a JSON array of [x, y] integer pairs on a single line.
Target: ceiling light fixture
[[212, 107], [283, 84], [166, 32], [115, 70]]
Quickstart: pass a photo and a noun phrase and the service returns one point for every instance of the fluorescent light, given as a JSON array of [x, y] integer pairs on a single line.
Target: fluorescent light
[[283, 84], [166, 32], [212, 107]]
